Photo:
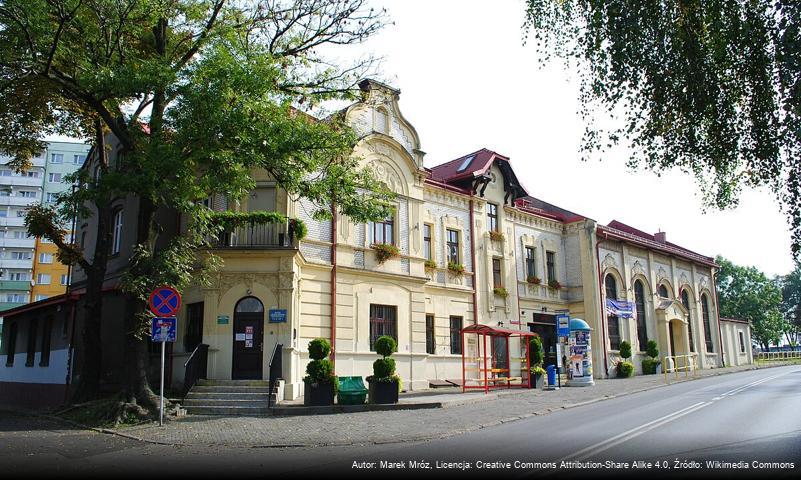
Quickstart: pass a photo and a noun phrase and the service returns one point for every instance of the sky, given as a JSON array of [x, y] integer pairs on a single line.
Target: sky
[[467, 82]]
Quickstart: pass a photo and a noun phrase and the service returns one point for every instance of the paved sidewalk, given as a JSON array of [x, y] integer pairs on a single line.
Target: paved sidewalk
[[456, 417]]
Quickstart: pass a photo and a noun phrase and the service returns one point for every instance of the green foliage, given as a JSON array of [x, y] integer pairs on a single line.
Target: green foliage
[[625, 349], [554, 284], [500, 291], [384, 368], [384, 251], [496, 236], [791, 302], [320, 370], [430, 265], [746, 293], [537, 355], [319, 348], [533, 279], [537, 370], [649, 366], [229, 220], [710, 88], [652, 349], [386, 346], [625, 369], [456, 269]]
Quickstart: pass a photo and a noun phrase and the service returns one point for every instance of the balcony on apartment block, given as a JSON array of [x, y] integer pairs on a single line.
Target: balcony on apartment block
[[20, 181], [15, 201], [18, 242], [12, 221], [12, 263]]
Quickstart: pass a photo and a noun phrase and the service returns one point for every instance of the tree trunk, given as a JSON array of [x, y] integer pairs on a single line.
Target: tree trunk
[[92, 352]]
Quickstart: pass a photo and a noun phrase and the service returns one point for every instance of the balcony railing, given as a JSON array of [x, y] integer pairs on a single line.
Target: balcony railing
[[269, 235]]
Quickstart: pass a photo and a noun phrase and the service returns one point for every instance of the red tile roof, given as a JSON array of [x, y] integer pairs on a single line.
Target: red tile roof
[[480, 163], [625, 232]]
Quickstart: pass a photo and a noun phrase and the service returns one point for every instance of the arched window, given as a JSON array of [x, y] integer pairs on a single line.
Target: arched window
[[612, 321], [707, 327], [639, 302], [249, 305], [663, 291], [685, 300], [116, 232]]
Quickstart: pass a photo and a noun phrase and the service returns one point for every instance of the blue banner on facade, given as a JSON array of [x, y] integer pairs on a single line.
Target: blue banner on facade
[[620, 308]]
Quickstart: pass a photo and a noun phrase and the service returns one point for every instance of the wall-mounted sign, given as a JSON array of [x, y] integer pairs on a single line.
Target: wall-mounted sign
[[222, 319], [277, 316]]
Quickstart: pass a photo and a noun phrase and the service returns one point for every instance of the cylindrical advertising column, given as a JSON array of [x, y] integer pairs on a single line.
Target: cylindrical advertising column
[[579, 358]]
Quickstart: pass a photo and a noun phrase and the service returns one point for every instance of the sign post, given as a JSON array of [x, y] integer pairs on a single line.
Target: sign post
[[164, 302]]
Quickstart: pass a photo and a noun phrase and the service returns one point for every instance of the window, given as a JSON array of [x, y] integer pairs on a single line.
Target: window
[[3, 213], [707, 327], [45, 258], [381, 121], [31, 174], [685, 300], [452, 246], [54, 178], [52, 197], [26, 194], [47, 331], [17, 298], [611, 320], [22, 255], [383, 231], [78, 159], [31, 344], [742, 342], [65, 279], [12, 345], [383, 321], [497, 280], [427, 250], [41, 297], [5, 173], [116, 239], [22, 234], [43, 279], [194, 326], [56, 158], [531, 269], [5, 192], [642, 326], [19, 276], [663, 291], [83, 239], [430, 344], [456, 335], [550, 262], [492, 217], [20, 213], [466, 163]]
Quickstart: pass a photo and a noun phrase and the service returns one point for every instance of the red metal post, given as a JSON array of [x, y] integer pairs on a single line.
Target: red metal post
[[464, 381], [484, 353], [508, 365]]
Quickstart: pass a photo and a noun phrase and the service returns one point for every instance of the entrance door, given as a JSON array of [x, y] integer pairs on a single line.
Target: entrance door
[[248, 339], [545, 327], [672, 341]]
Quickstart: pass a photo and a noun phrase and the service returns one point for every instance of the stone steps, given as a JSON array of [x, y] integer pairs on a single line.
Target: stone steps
[[229, 397]]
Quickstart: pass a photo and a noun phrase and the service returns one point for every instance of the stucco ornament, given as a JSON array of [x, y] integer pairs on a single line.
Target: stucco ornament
[[637, 269], [384, 173], [609, 261]]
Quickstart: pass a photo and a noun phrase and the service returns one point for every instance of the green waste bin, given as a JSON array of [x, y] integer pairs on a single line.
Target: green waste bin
[[351, 391]]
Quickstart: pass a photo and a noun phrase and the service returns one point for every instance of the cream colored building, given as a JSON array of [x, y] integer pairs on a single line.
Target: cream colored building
[[331, 285], [737, 346]]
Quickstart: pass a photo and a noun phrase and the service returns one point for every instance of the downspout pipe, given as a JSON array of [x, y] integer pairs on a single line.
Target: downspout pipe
[[334, 285], [602, 319]]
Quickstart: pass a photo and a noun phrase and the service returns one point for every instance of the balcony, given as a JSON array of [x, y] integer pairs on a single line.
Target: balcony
[[264, 236], [19, 201], [23, 264], [8, 305], [20, 181], [18, 242], [15, 285], [12, 221]]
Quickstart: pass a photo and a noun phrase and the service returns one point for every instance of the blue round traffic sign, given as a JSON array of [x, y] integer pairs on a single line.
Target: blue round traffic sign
[[165, 301]]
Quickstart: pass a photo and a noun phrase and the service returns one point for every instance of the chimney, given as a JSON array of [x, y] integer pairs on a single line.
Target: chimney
[[660, 237]]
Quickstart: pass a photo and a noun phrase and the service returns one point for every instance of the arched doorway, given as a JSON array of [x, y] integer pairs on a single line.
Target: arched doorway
[[248, 339]]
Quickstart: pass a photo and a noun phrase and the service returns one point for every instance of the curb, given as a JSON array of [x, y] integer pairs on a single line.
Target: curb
[[403, 440]]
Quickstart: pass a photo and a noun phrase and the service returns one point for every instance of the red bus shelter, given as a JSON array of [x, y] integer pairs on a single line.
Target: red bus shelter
[[490, 374]]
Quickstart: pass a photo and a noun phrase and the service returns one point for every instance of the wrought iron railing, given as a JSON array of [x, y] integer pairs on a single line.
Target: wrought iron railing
[[196, 366]]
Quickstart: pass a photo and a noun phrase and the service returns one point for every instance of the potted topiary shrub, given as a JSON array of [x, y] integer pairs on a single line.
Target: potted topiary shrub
[[649, 364], [537, 357], [384, 384], [320, 383], [625, 368]]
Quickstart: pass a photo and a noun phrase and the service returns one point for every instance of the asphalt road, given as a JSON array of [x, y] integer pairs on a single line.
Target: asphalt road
[[749, 421]]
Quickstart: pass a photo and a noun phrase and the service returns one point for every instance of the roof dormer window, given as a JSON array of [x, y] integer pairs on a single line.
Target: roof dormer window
[[466, 163]]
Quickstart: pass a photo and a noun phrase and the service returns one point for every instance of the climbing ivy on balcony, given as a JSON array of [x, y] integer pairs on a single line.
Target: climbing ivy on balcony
[[229, 220]]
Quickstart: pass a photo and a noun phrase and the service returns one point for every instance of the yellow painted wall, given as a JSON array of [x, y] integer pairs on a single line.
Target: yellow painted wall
[[55, 270]]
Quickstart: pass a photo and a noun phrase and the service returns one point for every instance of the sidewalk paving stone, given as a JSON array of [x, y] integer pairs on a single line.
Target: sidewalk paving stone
[[460, 413]]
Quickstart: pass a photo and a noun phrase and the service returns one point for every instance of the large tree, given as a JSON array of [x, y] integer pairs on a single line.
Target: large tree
[[748, 294], [711, 87], [791, 302], [199, 93]]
